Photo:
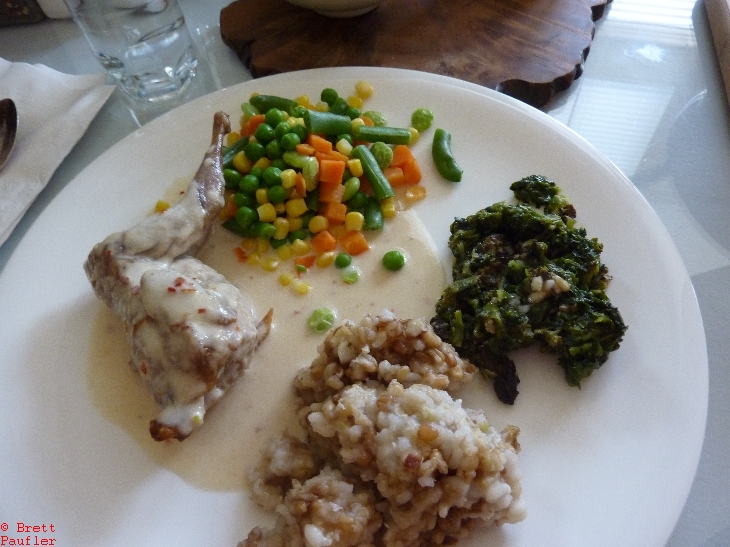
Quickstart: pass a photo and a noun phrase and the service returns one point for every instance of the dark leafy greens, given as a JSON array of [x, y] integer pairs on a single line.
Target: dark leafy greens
[[527, 274]]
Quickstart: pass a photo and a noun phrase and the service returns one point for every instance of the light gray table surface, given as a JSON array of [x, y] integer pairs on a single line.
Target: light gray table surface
[[651, 99]]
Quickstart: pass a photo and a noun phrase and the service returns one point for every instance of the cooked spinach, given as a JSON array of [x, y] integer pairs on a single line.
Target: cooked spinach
[[525, 274]]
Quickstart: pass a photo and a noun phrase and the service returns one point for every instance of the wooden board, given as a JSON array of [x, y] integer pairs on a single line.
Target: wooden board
[[718, 13], [529, 49]]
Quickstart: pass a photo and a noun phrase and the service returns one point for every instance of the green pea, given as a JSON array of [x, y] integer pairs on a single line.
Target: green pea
[[232, 178], [350, 274], [245, 216], [281, 129], [421, 119], [265, 230], [383, 154], [277, 194], [289, 141], [272, 176], [353, 112], [264, 133], [244, 200], [321, 320], [273, 117], [329, 95], [279, 164], [298, 111], [254, 151], [256, 172], [339, 106], [394, 260], [358, 200], [274, 150], [343, 260], [296, 234], [300, 131], [249, 184], [378, 118]]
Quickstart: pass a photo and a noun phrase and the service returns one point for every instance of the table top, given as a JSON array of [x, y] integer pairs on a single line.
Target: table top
[[651, 99]]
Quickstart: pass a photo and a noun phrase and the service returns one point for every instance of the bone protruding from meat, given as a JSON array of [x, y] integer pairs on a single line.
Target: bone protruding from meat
[[191, 332]]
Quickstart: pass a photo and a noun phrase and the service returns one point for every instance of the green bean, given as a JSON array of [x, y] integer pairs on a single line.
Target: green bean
[[388, 135], [264, 103], [229, 152], [381, 187], [443, 157], [326, 123], [373, 215]]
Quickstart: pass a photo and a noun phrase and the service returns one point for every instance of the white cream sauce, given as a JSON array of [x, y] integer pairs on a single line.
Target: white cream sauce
[[218, 455]]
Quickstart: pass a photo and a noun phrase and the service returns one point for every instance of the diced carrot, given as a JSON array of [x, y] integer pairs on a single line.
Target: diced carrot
[[354, 243], [401, 155], [230, 209], [300, 184], [320, 144], [395, 176], [331, 155], [330, 191], [252, 124], [307, 260], [367, 121], [331, 171], [412, 172], [323, 242], [335, 212], [240, 254], [305, 149]]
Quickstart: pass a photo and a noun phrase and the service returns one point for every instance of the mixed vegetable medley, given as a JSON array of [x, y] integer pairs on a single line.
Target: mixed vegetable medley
[[306, 181], [527, 274]]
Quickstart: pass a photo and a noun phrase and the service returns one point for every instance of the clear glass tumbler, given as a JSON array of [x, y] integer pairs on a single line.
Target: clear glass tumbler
[[144, 45]]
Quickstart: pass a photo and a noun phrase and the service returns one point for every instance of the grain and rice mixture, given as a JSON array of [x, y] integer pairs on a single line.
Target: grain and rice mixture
[[385, 456]]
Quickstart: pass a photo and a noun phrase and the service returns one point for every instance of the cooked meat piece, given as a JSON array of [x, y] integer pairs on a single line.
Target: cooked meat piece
[[191, 332]]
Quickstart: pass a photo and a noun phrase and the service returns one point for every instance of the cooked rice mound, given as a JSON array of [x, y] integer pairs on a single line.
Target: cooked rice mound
[[386, 460]]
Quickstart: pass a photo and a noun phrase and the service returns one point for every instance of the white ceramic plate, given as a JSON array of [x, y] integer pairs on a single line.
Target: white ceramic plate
[[609, 464]]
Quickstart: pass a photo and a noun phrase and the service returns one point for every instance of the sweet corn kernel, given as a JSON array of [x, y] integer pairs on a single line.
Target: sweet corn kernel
[[286, 279], [303, 100], [389, 208], [262, 246], [161, 206], [232, 137], [280, 208], [325, 259], [296, 207], [249, 243], [357, 122], [322, 106], [354, 101], [270, 263], [284, 252], [262, 196], [288, 178], [295, 223], [354, 221], [262, 163], [415, 192], [355, 167], [254, 259], [267, 212], [344, 147], [241, 163], [414, 135], [300, 287], [282, 227], [338, 231], [363, 89], [318, 223], [300, 247]]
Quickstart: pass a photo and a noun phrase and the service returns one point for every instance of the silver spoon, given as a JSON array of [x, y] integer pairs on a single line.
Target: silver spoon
[[8, 129]]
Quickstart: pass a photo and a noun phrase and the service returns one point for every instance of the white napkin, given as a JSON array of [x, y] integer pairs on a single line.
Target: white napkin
[[54, 109]]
